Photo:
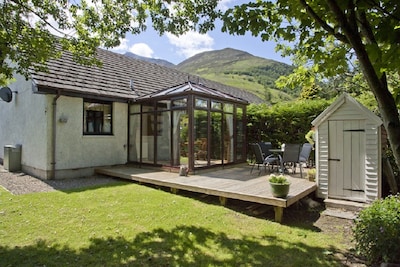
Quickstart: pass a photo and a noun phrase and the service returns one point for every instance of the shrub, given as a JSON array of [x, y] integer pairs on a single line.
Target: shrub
[[278, 179], [377, 231], [286, 122]]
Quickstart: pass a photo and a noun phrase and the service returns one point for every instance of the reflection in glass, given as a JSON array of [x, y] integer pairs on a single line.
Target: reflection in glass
[[216, 105], [200, 138], [163, 138], [216, 138], [182, 102], [228, 108], [240, 134], [201, 103], [228, 138], [134, 138], [180, 137], [148, 133]]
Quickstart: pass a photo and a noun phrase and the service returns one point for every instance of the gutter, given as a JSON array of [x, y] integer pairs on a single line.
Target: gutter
[[53, 137]]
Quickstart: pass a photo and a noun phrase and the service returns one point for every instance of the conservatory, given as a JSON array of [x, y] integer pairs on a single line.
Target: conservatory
[[190, 125]]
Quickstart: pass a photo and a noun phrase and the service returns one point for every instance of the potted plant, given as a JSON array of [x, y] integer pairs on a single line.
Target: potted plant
[[311, 174], [279, 185]]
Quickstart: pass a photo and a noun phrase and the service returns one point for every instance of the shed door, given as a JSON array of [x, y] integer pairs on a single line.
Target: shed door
[[346, 160]]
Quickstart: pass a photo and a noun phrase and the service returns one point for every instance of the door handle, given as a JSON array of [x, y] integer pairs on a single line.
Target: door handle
[[333, 159]]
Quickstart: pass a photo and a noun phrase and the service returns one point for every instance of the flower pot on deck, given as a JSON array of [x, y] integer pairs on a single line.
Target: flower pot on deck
[[280, 190], [280, 185]]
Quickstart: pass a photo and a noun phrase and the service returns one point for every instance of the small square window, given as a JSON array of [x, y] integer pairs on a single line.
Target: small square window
[[97, 118], [216, 105], [201, 103]]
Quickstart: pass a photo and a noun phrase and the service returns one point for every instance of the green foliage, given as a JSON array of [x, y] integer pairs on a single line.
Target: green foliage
[[329, 38], [278, 179], [310, 92], [285, 122], [29, 28], [377, 231]]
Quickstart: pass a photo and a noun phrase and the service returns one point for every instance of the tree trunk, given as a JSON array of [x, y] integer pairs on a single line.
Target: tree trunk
[[376, 81], [386, 105], [388, 173]]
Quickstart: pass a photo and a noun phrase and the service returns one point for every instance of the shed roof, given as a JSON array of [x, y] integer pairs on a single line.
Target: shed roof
[[342, 99], [120, 77]]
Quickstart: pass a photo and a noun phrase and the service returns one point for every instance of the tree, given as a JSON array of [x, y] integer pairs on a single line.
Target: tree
[[333, 34], [31, 30], [310, 92]]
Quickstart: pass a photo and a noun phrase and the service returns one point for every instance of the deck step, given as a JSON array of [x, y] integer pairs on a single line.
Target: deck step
[[344, 204], [340, 213], [343, 208]]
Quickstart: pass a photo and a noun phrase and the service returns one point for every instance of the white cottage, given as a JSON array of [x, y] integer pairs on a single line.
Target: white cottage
[[75, 118], [348, 152]]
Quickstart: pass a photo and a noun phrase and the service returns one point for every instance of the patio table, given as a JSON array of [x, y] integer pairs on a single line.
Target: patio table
[[279, 153]]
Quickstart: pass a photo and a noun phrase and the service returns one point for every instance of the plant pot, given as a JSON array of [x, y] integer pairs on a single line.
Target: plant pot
[[280, 190]]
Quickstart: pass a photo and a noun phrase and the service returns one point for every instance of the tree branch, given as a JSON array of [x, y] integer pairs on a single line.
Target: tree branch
[[27, 8], [323, 24], [365, 27], [376, 5]]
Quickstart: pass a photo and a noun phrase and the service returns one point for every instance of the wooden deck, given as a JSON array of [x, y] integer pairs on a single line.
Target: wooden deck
[[233, 183]]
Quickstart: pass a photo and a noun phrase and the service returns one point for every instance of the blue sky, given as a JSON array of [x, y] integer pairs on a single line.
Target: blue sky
[[177, 49]]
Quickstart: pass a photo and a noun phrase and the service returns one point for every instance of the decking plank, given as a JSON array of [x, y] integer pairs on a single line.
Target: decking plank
[[233, 183]]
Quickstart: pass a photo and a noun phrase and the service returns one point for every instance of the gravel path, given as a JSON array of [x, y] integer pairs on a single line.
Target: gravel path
[[19, 183]]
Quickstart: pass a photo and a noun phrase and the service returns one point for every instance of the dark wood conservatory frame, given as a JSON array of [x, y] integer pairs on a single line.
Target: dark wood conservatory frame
[[190, 92]]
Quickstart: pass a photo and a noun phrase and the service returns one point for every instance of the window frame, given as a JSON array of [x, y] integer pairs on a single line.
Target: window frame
[[95, 116]]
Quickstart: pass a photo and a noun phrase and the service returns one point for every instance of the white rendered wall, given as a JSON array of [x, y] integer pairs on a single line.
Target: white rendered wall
[[75, 151], [24, 121], [28, 119]]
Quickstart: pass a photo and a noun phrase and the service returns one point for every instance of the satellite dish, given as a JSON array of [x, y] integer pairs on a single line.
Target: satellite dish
[[6, 94]]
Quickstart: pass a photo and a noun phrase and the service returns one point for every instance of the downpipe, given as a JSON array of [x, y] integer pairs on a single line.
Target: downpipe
[[54, 138]]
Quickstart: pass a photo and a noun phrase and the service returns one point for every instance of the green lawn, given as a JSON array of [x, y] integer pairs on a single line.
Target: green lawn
[[126, 224]]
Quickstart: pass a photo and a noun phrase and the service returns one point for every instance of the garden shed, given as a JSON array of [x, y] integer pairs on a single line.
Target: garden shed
[[348, 152]]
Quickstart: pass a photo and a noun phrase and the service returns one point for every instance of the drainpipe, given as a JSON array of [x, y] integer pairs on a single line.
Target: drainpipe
[[128, 132], [53, 138]]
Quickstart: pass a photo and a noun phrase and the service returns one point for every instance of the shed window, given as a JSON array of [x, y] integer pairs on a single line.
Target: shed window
[[97, 118]]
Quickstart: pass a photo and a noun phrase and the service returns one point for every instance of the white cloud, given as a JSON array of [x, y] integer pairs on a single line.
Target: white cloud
[[123, 46], [142, 49], [191, 43], [225, 4]]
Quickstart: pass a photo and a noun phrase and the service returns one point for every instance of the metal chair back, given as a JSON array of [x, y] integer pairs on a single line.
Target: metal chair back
[[259, 157], [291, 153], [265, 147], [305, 152]]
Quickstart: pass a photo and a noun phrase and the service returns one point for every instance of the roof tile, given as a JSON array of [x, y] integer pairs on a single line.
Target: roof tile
[[113, 78]]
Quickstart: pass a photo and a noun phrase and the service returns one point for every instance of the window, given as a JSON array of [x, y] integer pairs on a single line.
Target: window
[[201, 103], [97, 118]]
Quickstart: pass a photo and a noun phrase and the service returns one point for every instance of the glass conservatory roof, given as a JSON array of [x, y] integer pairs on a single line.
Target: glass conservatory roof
[[190, 87]]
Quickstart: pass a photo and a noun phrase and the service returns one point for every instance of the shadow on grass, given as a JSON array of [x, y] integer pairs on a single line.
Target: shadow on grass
[[181, 246], [83, 184], [297, 215]]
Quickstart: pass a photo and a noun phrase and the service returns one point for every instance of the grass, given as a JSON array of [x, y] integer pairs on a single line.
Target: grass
[[126, 224]]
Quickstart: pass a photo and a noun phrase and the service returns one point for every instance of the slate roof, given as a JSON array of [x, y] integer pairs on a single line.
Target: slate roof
[[113, 79]]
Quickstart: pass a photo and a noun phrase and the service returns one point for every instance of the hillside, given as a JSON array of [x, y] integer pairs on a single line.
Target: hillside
[[161, 62], [240, 69]]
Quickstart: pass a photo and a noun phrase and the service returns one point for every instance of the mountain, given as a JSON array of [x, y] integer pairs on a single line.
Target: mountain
[[235, 68], [161, 62], [241, 69]]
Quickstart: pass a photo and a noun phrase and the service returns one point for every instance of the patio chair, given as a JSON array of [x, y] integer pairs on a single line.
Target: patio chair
[[265, 147], [270, 159], [305, 154], [291, 157], [260, 159]]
